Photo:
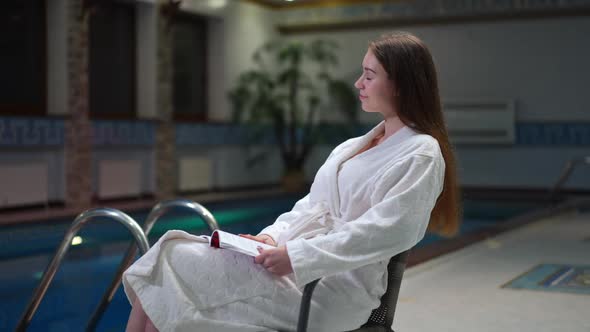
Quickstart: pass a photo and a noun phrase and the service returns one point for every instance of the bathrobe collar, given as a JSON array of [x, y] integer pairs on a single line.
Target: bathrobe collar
[[351, 149]]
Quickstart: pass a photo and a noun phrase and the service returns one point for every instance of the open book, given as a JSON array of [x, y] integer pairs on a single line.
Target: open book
[[225, 240]]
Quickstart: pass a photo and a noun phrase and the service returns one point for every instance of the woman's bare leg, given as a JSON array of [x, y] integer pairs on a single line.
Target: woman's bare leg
[[149, 326], [137, 318]]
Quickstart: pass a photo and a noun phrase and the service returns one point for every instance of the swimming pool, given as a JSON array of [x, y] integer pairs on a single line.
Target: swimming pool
[[88, 268]]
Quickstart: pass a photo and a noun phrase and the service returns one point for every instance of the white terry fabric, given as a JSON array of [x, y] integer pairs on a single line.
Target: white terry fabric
[[360, 212], [246, 279]]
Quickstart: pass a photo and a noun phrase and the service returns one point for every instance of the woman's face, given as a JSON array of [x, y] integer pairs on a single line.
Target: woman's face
[[376, 90]]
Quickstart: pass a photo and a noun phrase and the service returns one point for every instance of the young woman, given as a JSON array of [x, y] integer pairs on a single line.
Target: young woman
[[374, 197]]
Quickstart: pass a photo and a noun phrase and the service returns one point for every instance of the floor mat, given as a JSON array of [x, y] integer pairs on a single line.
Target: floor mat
[[554, 278]]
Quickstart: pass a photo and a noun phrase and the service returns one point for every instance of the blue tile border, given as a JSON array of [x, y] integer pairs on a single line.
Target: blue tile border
[[527, 134], [128, 133], [554, 278], [573, 134], [215, 134], [49, 132], [31, 132], [232, 134]]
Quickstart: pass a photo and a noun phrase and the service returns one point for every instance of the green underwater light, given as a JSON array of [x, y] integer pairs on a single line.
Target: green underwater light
[[224, 218]]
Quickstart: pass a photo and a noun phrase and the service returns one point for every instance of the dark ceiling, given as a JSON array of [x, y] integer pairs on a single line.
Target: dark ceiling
[[308, 3]]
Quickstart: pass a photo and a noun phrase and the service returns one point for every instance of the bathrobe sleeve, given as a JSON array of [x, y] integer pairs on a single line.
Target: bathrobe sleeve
[[284, 220], [401, 204]]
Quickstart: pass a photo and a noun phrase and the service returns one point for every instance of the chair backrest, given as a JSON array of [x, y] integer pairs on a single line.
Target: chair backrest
[[383, 316]]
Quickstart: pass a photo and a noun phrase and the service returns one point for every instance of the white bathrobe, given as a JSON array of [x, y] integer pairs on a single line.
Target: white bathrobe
[[360, 212]]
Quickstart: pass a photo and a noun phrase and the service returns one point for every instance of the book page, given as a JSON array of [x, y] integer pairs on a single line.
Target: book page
[[204, 239], [238, 243]]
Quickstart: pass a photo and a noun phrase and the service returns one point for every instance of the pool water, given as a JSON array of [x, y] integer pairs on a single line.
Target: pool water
[[88, 268]]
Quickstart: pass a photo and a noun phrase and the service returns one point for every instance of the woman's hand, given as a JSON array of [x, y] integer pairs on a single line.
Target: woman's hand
[[261, 238], [275, 261]]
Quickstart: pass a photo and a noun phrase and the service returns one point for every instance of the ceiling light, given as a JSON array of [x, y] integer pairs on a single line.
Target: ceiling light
[[216, 4]]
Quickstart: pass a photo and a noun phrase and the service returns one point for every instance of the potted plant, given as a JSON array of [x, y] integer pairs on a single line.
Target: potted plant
[[287, 89]]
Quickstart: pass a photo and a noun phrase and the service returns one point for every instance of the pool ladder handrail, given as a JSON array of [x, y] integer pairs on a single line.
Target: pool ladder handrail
[[566, 173], [77, 224], [159, 210]]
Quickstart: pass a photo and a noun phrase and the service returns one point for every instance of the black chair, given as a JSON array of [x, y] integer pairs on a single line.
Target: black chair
[[381, 318]]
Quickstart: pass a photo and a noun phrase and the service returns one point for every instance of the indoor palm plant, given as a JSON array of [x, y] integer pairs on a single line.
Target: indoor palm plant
[[290, 85]]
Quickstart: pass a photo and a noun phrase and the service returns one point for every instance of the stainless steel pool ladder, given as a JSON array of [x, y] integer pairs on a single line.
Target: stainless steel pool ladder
[[51, 269], [566, 173], [159, 210]]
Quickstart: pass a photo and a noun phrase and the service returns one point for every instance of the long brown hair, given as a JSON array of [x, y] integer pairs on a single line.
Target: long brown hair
[[409, 64]]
